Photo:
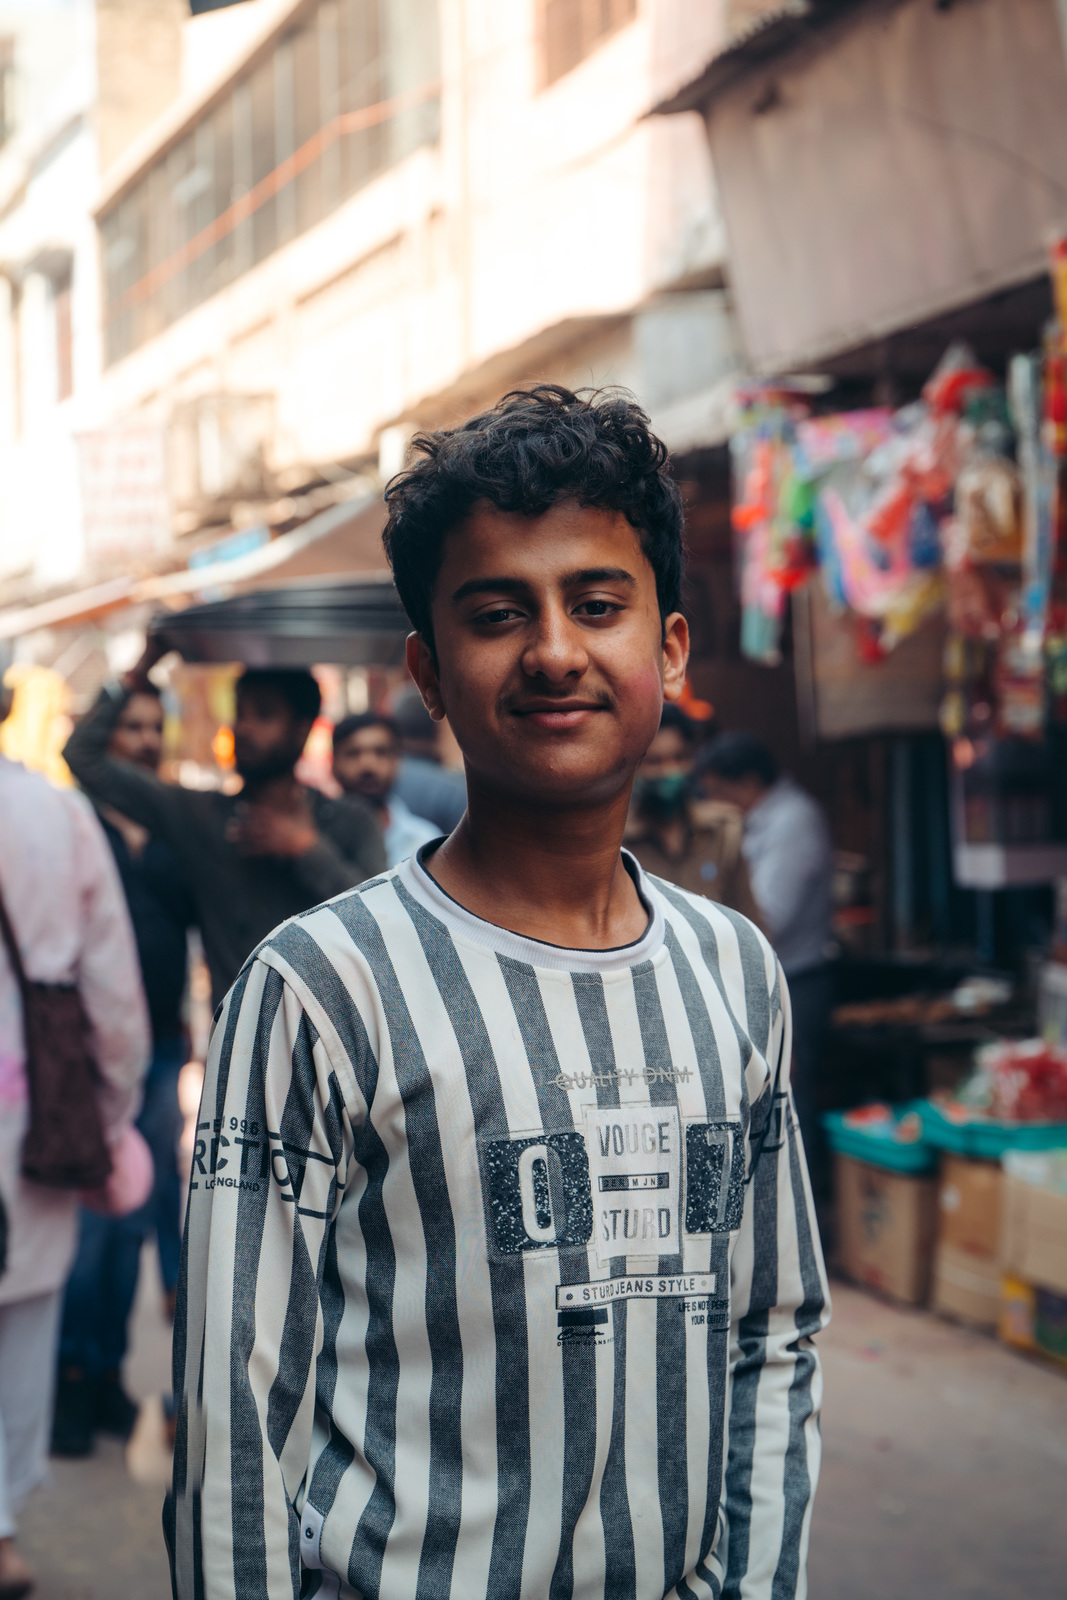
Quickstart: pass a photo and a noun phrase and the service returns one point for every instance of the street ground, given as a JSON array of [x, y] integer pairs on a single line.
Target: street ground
[[944, 1471]]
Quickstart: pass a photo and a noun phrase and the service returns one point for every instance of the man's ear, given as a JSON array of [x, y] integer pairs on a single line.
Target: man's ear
[[675, 655], [423, 670]]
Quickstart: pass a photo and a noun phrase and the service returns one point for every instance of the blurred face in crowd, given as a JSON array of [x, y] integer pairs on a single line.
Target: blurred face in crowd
[[366, 763], [669, 755], [138, 734], [742, 792], [552, 658], [663, 777], [268, 737]]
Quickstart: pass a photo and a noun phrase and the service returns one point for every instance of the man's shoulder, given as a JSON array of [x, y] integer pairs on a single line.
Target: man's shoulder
[[348, 928], [710, 920]]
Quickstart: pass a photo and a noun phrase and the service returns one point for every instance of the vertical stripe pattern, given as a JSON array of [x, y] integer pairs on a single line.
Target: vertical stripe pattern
[[501, 1273]]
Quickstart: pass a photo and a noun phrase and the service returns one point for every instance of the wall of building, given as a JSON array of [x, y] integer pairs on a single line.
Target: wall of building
[[550, 230], [512, 247]]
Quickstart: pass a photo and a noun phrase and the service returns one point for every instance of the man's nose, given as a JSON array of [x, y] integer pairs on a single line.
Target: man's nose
[[556, 650]]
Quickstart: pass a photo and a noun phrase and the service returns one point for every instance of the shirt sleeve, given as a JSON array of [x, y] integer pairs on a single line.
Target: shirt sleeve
[[109, 972], [272, 1147], [779, 1302], [137, 793]]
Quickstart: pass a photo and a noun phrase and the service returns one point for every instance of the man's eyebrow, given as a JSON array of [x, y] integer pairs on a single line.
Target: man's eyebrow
[[520, 586]]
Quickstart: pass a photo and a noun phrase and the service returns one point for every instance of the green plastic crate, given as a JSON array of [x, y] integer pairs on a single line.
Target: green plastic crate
[[893, 1155], [985, 1139]]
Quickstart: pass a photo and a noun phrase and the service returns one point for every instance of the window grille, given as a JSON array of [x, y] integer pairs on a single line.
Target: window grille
[[345, 92]]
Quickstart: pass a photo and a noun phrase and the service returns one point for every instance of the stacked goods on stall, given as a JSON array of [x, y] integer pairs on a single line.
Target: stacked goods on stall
[[1011, 1109], [966, 1281], [886, 1200], [1033, 1307]]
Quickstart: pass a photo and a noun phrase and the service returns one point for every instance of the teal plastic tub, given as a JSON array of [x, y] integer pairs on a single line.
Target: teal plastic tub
[[894, 1155], [984, 1139]]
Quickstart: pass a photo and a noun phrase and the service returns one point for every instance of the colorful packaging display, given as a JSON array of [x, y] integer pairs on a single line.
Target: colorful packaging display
[[1018, 1081]]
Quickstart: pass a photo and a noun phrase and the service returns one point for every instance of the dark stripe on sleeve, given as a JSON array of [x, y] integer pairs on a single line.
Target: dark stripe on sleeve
[[620, 1575], [507, 1282], [301, 1313], [752, 1338], [337, 1453], [237, 994], [311, 965], [426, 1160], [246, 1437], [383, 1378], [798, 1486]]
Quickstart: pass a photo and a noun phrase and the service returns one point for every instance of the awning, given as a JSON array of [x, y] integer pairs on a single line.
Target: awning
[[357, 624], [344, 539], [880, 165]]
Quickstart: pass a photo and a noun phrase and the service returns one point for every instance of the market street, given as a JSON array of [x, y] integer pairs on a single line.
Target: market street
[[943, 1471]]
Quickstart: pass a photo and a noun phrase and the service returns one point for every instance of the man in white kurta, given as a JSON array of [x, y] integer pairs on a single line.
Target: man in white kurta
[[66, 905]]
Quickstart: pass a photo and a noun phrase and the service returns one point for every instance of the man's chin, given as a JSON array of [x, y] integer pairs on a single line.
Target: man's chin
[[263, 771]]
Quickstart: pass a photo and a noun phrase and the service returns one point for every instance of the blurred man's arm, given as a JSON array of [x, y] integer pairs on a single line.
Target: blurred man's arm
[[330, 845], [109, 973], [269, 1167], [133, 790], [350, 849], [779, 1301]]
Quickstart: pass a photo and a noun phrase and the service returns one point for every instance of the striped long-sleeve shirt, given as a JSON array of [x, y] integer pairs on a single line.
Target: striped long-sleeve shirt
[[501, 1270]]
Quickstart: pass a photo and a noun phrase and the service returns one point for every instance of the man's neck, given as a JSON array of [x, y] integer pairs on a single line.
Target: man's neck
[[279, 793], [551, 874]]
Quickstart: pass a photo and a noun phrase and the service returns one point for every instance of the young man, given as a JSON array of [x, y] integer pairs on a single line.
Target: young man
[[366, 761], [501, 1275], [693, 843], [103, 1281], [249, 859]]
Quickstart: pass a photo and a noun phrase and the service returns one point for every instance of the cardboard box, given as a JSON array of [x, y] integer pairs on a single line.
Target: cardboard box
[[1034, 1236], [1033, 1319], [970, 1202], [1015, 1322], [966, 1286], [886, 1223]]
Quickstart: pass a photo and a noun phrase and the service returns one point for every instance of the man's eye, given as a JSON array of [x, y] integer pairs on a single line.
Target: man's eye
[[598, 608], [499, 614]]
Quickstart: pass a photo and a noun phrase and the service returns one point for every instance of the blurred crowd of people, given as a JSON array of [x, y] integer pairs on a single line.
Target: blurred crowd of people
[[102, 887]]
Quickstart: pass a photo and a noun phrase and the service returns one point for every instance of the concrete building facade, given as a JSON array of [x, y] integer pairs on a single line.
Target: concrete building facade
[[320, 225]]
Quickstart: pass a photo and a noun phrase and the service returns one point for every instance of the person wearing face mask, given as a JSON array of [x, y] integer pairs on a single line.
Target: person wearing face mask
[[690, 842]]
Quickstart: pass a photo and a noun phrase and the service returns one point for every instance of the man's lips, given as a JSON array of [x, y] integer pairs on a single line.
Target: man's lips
[[557, 715]]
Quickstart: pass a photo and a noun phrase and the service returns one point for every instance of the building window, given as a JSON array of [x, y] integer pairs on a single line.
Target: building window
[[331, 102], [572, 30], [61, 296], [7, 89]]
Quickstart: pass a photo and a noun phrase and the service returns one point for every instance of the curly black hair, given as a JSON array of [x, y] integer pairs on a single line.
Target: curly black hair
[[535, 447]]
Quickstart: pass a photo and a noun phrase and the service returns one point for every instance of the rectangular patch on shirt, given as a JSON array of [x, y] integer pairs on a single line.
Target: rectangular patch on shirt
[[537, 1190], [640, 1286], [635, 1170], [714, 1177]]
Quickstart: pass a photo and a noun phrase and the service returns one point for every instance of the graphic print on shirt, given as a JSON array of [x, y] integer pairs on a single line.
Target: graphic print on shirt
[[714, 1177], [618, 1185], [538, 1192], [635, 1166]]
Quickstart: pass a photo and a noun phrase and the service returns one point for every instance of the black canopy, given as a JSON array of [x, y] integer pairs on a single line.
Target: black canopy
[[354, 623]]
